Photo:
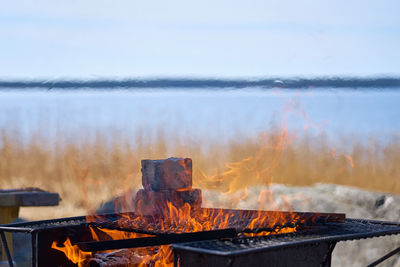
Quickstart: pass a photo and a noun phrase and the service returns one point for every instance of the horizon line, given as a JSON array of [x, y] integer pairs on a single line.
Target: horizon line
[[275, 82]]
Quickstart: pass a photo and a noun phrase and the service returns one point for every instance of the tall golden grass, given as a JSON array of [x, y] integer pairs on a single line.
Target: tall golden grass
[[89, 172]]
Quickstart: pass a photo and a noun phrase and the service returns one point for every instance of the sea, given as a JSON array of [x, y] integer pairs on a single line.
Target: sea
[[205, 114]]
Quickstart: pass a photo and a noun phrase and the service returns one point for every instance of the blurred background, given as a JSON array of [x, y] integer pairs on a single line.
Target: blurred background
[[183, 79]]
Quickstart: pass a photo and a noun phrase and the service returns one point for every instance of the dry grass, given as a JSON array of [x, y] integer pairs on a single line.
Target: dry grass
[[91, 172]]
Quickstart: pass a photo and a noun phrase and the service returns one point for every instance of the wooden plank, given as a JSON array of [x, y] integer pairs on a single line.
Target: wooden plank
[[28, 199]]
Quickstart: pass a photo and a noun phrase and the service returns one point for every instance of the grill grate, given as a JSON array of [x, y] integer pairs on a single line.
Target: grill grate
[[330, 232], [239, 219], [240, 226]]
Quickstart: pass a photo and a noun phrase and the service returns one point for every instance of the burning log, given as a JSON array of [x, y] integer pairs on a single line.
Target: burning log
[[166, 181]]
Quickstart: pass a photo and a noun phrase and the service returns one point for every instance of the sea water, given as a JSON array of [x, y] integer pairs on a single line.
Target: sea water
[[200, 113]]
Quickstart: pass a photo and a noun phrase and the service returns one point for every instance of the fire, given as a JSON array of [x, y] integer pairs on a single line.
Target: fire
[[72, 252], [186, 218], [179, 220]]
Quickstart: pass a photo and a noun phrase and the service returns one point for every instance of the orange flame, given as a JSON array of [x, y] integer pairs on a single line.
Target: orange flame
[[72, 252], [181, 220]]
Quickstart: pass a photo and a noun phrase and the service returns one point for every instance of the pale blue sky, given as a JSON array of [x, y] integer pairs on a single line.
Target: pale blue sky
[[108, 39]]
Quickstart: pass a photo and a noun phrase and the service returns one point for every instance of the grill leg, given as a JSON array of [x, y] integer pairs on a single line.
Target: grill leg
[[328, 260], [387, 256]]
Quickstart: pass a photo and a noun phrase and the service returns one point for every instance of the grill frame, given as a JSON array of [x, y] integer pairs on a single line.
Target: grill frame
[[41, 230]]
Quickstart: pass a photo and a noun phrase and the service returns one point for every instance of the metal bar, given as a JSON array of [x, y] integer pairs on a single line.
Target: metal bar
[[157, 241], [4, 240], [15, 229], [387, 256], [34, 249]]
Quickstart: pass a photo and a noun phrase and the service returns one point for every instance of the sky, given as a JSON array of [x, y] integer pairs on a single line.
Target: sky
[[45, 39]]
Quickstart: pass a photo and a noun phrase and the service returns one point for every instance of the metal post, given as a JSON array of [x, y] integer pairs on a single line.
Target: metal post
[[328, 258], [35, 249]]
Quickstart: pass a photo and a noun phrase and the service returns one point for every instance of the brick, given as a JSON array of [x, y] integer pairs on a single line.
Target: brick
[[167, 174], [149, 202]]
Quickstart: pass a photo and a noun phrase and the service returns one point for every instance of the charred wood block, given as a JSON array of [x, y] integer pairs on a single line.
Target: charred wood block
[[155, 202], [167, 174], [118, 258]]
